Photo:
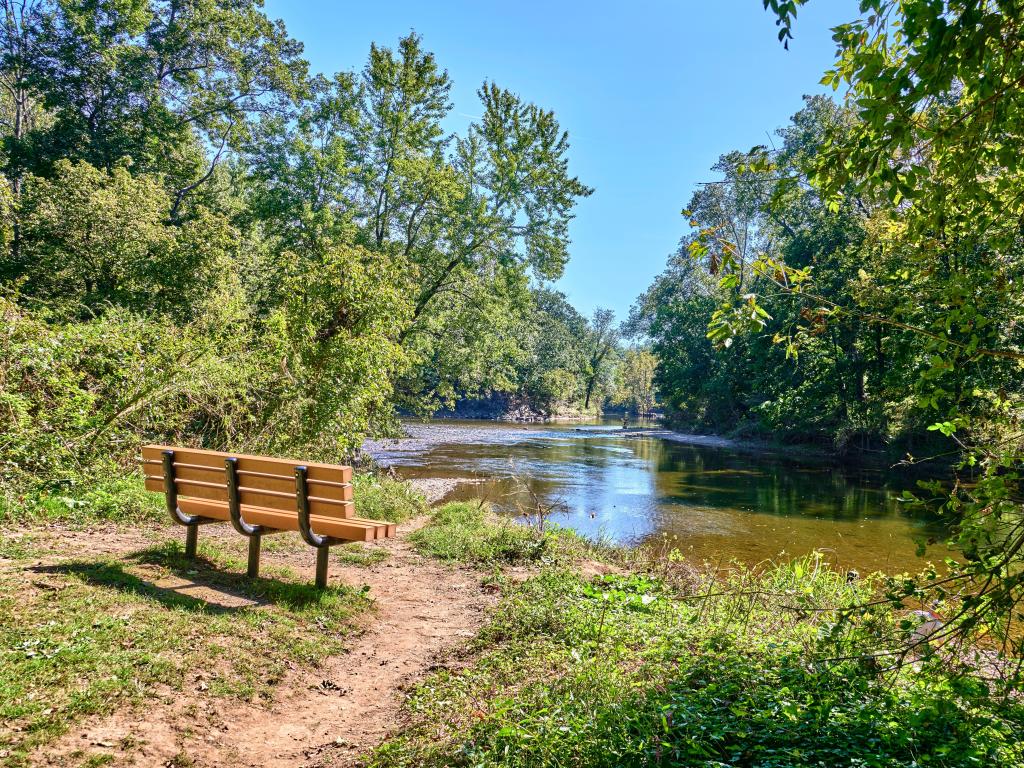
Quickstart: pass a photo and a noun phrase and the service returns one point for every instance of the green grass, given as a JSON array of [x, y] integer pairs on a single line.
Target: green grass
[[379, 497], [629, 671], [469, 532], [92, 634], [106, 496], [465, 532], [356, 553], [16, 544]]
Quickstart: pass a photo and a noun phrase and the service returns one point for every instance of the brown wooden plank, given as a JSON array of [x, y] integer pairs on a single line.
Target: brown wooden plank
[[378, 530], [269, 499], [323, 489], [382, 530], [283, 467], [347, 530]]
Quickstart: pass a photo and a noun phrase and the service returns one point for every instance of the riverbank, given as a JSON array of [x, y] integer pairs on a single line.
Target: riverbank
[[467, 640], [651, 662]]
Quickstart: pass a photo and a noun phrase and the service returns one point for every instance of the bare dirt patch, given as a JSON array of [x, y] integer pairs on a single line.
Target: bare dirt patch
[[323, 716]]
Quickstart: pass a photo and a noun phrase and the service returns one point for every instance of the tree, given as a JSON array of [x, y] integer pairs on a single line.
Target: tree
[[93, 239], [154, 81], [601, 346], [553, 336], [471, 218], [342, 320], [636, 375], [934, 152], [174, 174]]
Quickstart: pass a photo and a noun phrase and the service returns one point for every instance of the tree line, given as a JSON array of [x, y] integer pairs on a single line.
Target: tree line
[[858, 283], [201, 241]]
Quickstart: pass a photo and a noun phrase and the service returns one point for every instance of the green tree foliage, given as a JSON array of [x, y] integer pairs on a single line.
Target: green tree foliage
[[152, 81], [468, 219], [552, 368], [343, 320], [600, 355], [76, 393], [210, 246], [91, 239], [847, 386], [892, 287], [636, 381]]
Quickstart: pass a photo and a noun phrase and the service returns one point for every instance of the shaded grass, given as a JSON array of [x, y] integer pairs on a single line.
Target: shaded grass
[[90, 635], [628, 670]]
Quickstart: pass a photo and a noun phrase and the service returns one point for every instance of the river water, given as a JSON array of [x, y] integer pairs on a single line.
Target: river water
[[713, 500]]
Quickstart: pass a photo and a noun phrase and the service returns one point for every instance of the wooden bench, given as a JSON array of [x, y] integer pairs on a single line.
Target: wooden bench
[[259, 496]]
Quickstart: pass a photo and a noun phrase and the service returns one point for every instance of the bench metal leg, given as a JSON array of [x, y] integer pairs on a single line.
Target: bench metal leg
[[322, 554], [254, 555], [191, 541]]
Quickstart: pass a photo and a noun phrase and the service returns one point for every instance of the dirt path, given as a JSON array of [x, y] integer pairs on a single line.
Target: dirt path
[[323, 717]]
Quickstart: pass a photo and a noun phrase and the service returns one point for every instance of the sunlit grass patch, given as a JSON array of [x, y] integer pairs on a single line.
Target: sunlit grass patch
[[16, 544], [379, 497], [469, 532], [465, 532], [88, 635], [105, 495]]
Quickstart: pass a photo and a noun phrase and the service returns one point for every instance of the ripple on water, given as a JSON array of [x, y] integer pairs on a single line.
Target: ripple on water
[[712, 499]]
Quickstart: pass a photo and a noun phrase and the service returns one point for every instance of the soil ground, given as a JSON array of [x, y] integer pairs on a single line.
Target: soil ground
[[423, 612]]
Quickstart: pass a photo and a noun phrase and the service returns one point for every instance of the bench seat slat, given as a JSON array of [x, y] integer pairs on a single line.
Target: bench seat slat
[[282, 467], [260, 481], [156, 467], [271, 499], [351, 529]]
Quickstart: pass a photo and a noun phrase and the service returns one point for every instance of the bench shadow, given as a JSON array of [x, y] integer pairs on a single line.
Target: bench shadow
[[198, 585]]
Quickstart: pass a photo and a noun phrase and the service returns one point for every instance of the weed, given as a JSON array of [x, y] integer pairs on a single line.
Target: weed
[[628, 670], [380, 497], [83, 500], [356, 553], [464, 532]]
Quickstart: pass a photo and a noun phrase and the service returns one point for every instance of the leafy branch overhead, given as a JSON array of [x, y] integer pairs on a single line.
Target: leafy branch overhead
[[178, 163], [863, 276]]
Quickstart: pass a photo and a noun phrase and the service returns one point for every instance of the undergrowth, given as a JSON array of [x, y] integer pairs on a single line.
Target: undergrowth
[[466, 532], [626, 670], [380, 497], [82, 499]]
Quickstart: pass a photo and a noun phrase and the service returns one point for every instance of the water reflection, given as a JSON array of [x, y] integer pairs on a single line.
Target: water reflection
[[714, 503]]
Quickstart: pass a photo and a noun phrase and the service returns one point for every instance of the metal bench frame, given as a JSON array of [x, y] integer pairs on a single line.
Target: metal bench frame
[[254, 533]]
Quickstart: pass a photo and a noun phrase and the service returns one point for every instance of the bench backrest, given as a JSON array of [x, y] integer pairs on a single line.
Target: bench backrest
[[263, 482]]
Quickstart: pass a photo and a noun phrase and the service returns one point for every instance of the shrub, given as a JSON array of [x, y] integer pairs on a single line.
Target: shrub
[[379, 497], [626, 671]]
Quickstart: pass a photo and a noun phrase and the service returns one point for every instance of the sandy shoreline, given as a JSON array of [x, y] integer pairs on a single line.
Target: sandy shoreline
[[434, 489]]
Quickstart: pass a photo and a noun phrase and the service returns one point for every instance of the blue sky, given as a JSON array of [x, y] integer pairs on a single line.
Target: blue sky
[[650, 92]]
